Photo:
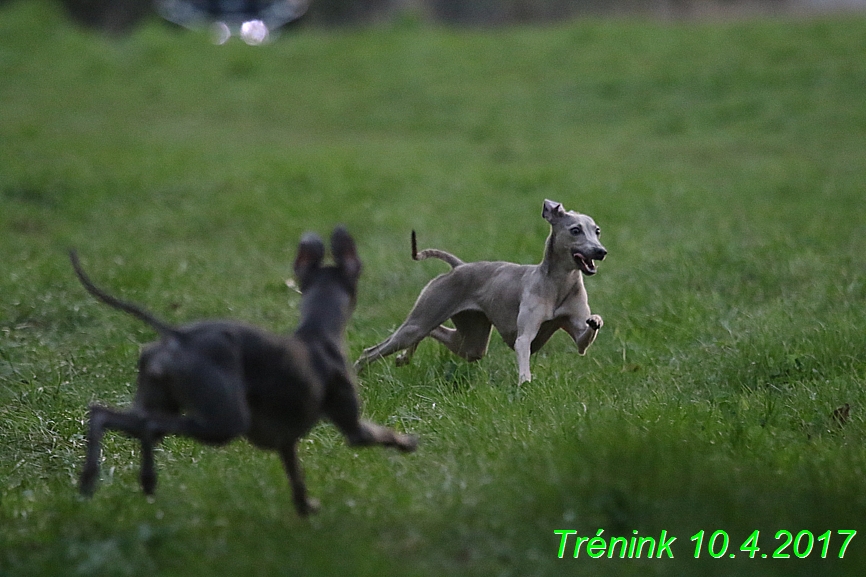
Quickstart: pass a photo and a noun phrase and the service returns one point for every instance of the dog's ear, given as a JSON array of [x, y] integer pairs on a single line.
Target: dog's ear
[[345, 253], [311, 251], [552, 211]]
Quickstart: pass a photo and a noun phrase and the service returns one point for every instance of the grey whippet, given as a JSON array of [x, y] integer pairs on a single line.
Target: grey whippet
[[218, 380], [526, 303]]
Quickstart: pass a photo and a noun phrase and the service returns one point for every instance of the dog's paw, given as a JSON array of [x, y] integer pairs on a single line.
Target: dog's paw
[[307, 506], [87, 482], [594, 322], [407, 443], [148, 481], [402, 359]]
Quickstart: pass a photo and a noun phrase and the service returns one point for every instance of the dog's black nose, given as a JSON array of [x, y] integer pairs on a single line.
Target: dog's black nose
[[600, 253]]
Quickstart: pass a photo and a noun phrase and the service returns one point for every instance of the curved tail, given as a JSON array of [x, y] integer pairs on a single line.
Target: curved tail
[[433, 253], [134, 310]]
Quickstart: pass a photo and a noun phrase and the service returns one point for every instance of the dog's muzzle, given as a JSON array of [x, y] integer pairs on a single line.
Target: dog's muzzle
[[586, 263]]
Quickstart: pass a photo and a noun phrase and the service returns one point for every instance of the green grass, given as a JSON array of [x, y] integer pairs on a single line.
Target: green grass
[[724, 162]]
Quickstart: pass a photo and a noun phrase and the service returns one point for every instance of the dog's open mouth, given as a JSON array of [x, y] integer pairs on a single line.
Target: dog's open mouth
[[586, 265]]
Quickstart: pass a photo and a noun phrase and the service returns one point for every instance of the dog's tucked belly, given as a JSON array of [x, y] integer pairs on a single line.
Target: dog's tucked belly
[[268, 431]]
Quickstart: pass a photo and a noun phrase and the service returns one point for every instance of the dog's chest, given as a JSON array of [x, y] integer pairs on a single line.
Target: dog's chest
[[556, 297]]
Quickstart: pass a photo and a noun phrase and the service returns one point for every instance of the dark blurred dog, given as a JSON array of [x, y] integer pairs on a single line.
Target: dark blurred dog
[[215, 381]]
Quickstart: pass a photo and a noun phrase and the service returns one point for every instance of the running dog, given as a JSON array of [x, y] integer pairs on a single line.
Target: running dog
[[215, 381], [526, 303]]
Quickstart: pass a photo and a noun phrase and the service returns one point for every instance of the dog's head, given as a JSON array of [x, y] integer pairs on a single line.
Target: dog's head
[[574, 236], [335, 283]]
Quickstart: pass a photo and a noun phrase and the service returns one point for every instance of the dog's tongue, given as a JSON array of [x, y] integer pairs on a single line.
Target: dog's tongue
[[586, 264]]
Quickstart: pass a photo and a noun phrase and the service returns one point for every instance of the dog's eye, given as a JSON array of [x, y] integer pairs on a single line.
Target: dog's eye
[[597, 231], [576, 231]]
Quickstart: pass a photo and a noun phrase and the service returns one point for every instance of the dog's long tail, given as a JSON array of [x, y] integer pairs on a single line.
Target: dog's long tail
[[433, 253], [136, 311]]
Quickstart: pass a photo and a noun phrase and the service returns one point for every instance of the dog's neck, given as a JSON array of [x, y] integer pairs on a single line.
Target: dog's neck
[[323, 315], [553, 264]]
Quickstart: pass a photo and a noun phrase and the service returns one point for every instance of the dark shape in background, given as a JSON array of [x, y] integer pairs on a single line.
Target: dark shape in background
[[112, 16], [119, 16]]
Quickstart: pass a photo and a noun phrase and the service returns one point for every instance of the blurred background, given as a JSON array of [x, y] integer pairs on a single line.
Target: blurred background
[[119, 16]]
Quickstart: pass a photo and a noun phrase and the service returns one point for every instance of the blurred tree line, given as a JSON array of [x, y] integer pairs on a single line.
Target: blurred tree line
[[118, 16]]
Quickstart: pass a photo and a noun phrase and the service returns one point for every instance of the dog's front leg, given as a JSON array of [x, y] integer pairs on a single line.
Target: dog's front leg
[[304, 505], [586, 336], [528, 323], [343, 409], [522, 348], [147, 476]]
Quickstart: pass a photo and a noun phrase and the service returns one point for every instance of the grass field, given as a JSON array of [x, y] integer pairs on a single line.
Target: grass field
[[725, 163]]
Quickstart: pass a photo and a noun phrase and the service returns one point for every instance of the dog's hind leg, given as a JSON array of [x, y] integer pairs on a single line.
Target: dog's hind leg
[[470, 337], [304, 504], [211, 395], [95, 429], [405, 357], [406, 337], [431, 309], [468, 340], [213, 418], [131, 423]]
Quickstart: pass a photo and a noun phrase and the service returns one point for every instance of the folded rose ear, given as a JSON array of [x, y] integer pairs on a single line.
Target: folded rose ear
[[311, 251], [345, 253], [552, 211]]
